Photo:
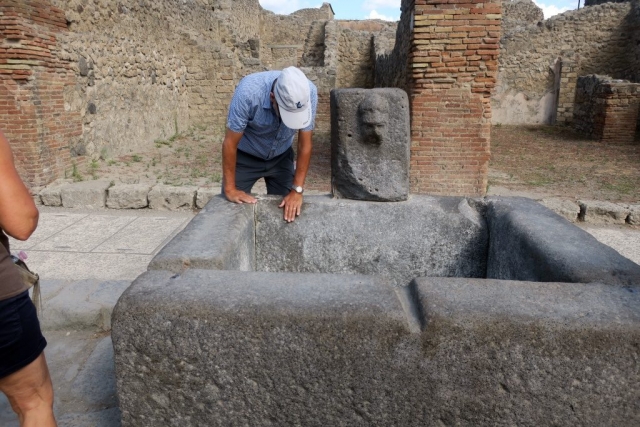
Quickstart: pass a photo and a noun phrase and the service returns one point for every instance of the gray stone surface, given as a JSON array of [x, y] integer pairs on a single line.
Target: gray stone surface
[[79, 304], [259, 349], [566, 208], [274, 349], [220, 237], [165, 197], [370, 141], [424, 236], [529, 242], [85, 194], [599, 212], [205, 194], [51, 194], [128, 196], [634, 215]]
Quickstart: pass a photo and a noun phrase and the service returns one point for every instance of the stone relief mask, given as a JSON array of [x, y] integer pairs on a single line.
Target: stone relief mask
[[373, 114]]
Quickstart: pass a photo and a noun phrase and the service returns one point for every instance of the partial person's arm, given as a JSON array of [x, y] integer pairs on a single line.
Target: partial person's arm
[[292, 202], [18, 212], [229, 155]]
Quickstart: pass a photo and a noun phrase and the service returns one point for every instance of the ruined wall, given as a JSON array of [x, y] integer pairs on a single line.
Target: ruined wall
[[392, 66], [453, 66], [36, 111], [606, 109], [598, 39]]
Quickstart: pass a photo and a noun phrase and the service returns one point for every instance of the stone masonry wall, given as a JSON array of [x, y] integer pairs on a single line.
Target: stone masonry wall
[[35, 111], [606, 109], [454, 64], [391, 67], [599, 39]]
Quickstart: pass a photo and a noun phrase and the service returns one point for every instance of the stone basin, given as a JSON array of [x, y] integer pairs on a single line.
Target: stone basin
[[432, 311]]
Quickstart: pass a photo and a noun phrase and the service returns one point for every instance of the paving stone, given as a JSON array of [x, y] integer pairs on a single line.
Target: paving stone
[[102, 393], [634, 215], [51, 195], [85, 195], [71, 309], [600, 212], [205, 194], [128, 196], [165, 197], [566, 208]]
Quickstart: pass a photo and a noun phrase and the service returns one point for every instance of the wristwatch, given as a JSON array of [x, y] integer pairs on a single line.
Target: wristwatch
[[298, 189]]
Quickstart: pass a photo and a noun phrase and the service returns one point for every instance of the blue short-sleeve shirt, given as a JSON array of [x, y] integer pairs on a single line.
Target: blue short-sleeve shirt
[[264, 134]]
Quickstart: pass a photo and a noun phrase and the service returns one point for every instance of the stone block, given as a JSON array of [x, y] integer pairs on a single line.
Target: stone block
[[563, 207], [275, 349], [51, 195], [170, 198], [85, 194], [220, 237], [128, 196], [634, 215], [205, 194], [370, 141], [529, 242], [390, 239], [599, 212]]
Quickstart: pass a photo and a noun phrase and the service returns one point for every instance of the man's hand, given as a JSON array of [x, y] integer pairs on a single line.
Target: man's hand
[[292, 204], [239, 196]]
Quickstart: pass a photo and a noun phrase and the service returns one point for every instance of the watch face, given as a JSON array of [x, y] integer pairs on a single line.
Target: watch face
[[298, 189]]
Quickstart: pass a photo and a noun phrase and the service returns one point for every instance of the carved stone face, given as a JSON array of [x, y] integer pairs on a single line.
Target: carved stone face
[[373, 113]]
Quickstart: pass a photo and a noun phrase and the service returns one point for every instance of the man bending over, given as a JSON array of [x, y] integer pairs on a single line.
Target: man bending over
[[266, 111]]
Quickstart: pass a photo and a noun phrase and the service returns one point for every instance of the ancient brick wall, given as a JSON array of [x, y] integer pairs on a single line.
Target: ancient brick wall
[[392, 67], [454, 64], [599, 39], [34, 82], [606, 109]]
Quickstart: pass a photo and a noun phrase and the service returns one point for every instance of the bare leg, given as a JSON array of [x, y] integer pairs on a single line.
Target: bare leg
[[30, 393]]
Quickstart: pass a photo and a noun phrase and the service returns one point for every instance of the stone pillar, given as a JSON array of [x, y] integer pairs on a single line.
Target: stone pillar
[[453, 68], [32, 86], [606, 109], [566, 91], [370, 144]]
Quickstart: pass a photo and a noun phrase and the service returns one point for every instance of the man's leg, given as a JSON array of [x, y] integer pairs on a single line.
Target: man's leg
[[249, 169], [279, 175]]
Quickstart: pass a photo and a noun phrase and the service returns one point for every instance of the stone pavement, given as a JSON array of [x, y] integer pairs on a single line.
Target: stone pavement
[[86, 258]]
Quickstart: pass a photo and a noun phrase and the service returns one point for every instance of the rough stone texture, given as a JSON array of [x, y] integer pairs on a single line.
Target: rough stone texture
[[520, 13], [245, 348], [51, 194], [370, 140], [529, 242], [563, 207], [128, 196], [424, 236], [634, 215], [85, 194], [165, 197], [220, 237], [599, 212], [205, 194]]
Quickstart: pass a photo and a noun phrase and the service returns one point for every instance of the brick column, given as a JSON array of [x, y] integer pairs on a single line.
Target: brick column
[[32, 83], [453, 68]]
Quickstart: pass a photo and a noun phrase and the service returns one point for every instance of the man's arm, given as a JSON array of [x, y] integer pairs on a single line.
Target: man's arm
[[292, 202], [229, 155]]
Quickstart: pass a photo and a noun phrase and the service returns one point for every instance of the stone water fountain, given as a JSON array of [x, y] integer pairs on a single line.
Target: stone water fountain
[[380, 308]]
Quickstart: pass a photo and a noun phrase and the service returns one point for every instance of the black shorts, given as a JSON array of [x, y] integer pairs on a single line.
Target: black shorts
[[277, 172], [21, 340]]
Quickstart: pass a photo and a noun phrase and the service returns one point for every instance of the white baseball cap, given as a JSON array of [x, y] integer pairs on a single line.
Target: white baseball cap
[[293, 97]]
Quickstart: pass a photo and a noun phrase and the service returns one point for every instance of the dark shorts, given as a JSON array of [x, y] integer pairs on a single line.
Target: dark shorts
[[277, 172], [21, 340]]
